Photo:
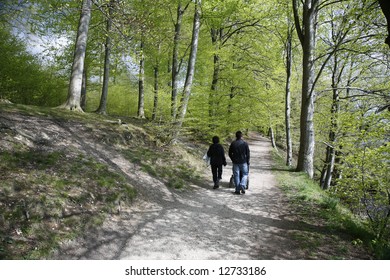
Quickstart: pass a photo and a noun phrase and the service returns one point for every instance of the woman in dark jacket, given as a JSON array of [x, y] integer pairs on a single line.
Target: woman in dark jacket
[[217, 159]]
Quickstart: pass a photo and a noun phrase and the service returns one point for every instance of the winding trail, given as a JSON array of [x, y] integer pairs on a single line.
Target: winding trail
[[197, 223]]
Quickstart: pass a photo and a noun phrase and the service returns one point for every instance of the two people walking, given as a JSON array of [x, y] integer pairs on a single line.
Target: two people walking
[[240, 156]]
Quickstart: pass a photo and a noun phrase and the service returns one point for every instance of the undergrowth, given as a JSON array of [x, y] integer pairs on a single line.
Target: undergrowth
[[48, 197], [316, 206]]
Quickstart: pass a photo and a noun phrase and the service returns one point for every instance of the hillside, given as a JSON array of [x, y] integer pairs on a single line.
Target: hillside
[[60, 176], [84, 186]]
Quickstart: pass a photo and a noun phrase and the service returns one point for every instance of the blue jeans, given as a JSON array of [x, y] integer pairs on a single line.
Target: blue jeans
[[240, 173]]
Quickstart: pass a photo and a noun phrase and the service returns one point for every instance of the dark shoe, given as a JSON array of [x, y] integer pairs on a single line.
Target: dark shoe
[[242, 191], [216, 187], [237, 193]]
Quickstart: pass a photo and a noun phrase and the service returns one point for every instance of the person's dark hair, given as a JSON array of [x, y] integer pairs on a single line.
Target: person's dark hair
[[238, 134], [215, 139]]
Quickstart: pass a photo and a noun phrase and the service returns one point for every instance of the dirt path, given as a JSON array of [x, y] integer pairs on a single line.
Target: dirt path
[[197, 223]]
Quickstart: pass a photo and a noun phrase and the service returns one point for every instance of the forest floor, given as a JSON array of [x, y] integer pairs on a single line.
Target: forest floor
[[191, 222]]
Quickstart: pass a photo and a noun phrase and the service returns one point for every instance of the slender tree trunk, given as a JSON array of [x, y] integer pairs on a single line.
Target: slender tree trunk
[[337, 170], [141, 84], [327, 173], [289, 155], [74, 92], [175, 60], [155, 100], [156, 80], [272, 137], [83, 102], [215, 39], [106, 73], [307, 36], [231, 95], [190, 70], [114, 66], [169, 69]]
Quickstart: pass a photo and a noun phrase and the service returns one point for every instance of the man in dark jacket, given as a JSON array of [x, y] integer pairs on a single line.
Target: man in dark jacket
[[217, 159], [240, 156]]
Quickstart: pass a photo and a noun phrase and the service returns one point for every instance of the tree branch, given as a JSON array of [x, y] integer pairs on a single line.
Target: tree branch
[[329, 3], [380, 92], [297, 23], [230, 34]]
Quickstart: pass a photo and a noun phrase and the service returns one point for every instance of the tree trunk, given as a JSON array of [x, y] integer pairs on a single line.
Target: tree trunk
[[74, 92], [169, 69], [307, 36], [106, 73], [215, 39], [141, 82], [83, 101], [328, 170], [272, 137], [230, 104], [155, 101], [175, 60], [289, 155], [190, 69]]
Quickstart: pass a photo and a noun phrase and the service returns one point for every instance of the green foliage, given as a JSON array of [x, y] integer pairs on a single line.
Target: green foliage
[[248, 93], [358, 71], [122, 100], [361, 180], [23, 79], [365, 181]]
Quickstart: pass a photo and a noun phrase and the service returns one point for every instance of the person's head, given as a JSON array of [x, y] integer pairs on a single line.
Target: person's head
[[215, 139], [238, 134]]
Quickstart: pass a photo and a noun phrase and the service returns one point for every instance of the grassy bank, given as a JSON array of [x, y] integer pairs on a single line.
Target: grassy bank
[[317, 207]]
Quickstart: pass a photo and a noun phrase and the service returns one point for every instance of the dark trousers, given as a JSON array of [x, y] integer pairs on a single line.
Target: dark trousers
[[217, 173]]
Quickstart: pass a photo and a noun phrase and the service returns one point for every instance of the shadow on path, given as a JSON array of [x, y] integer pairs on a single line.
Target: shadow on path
[[199, 222]]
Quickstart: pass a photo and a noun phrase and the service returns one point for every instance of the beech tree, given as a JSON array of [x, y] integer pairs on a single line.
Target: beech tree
[[288, 48], [306, 27], [190, 69], [74, 92], [175, 56], [156, 71], [289, 151], [141, 83], [107, 54]]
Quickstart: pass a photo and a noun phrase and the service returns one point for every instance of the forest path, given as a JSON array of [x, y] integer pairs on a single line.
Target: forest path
[[198, 222]]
